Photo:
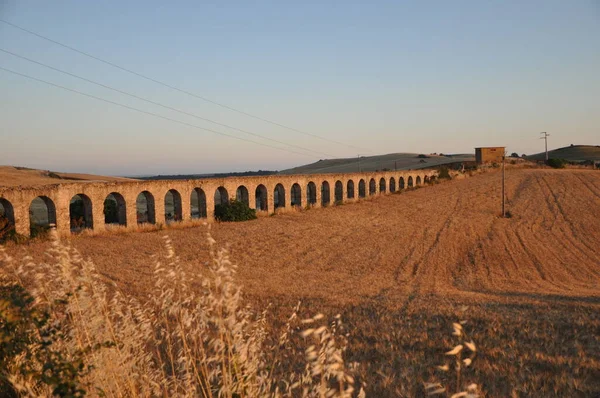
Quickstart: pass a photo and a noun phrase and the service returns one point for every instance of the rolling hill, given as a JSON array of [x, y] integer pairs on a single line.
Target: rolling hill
[[392, 161], [11, 176], [571, 153]]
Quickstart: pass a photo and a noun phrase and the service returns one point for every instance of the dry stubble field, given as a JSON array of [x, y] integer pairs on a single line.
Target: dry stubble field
[[399, 268]]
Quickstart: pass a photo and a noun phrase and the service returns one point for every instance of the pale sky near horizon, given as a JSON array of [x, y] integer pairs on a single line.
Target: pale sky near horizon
[[381, 77]]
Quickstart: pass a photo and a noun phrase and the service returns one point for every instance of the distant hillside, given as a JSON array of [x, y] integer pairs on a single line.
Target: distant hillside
[[214, 175], [392, 161], [572, 153], [24, 176]]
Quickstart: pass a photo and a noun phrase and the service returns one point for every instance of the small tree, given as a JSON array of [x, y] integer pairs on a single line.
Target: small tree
[[556, 163], [514, 155]]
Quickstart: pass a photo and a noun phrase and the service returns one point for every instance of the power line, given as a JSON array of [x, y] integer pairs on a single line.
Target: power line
[[146, 112], [159, 104], [176, 88]]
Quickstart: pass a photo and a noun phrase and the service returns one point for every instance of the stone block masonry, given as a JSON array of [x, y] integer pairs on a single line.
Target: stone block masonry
[[136, 202]]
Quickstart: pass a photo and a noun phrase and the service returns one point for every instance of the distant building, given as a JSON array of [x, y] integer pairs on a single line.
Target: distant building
[[490, 154]]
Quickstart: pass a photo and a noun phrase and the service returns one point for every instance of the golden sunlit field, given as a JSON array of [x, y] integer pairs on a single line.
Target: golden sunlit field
[[401, 268]]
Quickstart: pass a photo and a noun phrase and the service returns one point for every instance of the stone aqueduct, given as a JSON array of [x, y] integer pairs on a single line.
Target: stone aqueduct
[[195, 198]]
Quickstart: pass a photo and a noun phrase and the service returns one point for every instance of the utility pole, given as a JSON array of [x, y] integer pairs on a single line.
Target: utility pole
[[545, 138], [503, 178]]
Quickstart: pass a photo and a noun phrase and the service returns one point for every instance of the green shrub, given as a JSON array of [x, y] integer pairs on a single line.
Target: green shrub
[[444, 173], [234, 211], [556, 163], [27, 340]]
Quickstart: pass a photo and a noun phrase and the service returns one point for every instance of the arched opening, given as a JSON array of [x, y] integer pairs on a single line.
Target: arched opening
[[325, 195], [392, 184], [145, 208], [311, 193], [410, 181], [401, 183], [339, 192], [42, 215], [362, 189], [241, 195], [114, 209], [221, 196], [350, 189], [173, 211], [418, 180], [7, 218], [80, 213], [372, 187], [279, 196], [382, 185], [198, 204], [426, 180], [261, 198], [296, 195]]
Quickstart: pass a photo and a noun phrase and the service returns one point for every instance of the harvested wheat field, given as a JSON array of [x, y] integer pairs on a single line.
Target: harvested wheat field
[[401, 268]]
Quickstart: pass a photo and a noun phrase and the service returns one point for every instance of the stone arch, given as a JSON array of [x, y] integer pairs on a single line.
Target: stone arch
[[198, 204], [311, 193], [410, 181], [382, 185], [362, 189], [392, 184], [418, 180], [339, 192], [7, 211], [372, 187], [279, 196], [350, 189], [426, 180], [80, 213], [173, 210], [325, 194], [145, 209], [221, 196], [401, 183], [115, 211], [42, 214], [296, 194], [241, 195], [261, 197]]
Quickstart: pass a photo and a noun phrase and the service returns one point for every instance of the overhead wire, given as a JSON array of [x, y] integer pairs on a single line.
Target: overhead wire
[[160, 104], [146, 112], [179, 89]]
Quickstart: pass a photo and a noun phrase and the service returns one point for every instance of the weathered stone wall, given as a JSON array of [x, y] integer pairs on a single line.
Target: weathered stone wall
[[60, 195]]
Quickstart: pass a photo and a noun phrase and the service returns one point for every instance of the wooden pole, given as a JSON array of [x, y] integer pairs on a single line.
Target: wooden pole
[[503, 178]]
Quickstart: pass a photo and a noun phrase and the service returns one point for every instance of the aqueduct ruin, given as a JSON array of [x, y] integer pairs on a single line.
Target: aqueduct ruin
[[78, 205]]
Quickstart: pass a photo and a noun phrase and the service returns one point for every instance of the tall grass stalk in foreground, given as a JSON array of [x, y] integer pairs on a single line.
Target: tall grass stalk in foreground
[[460, 361], [192, 337]]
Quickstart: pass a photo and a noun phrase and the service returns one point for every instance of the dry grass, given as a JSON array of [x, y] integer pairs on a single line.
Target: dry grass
[[192, 337], [398, 269]]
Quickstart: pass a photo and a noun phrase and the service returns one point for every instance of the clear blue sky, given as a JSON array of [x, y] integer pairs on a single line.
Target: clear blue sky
[[396, 76]]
